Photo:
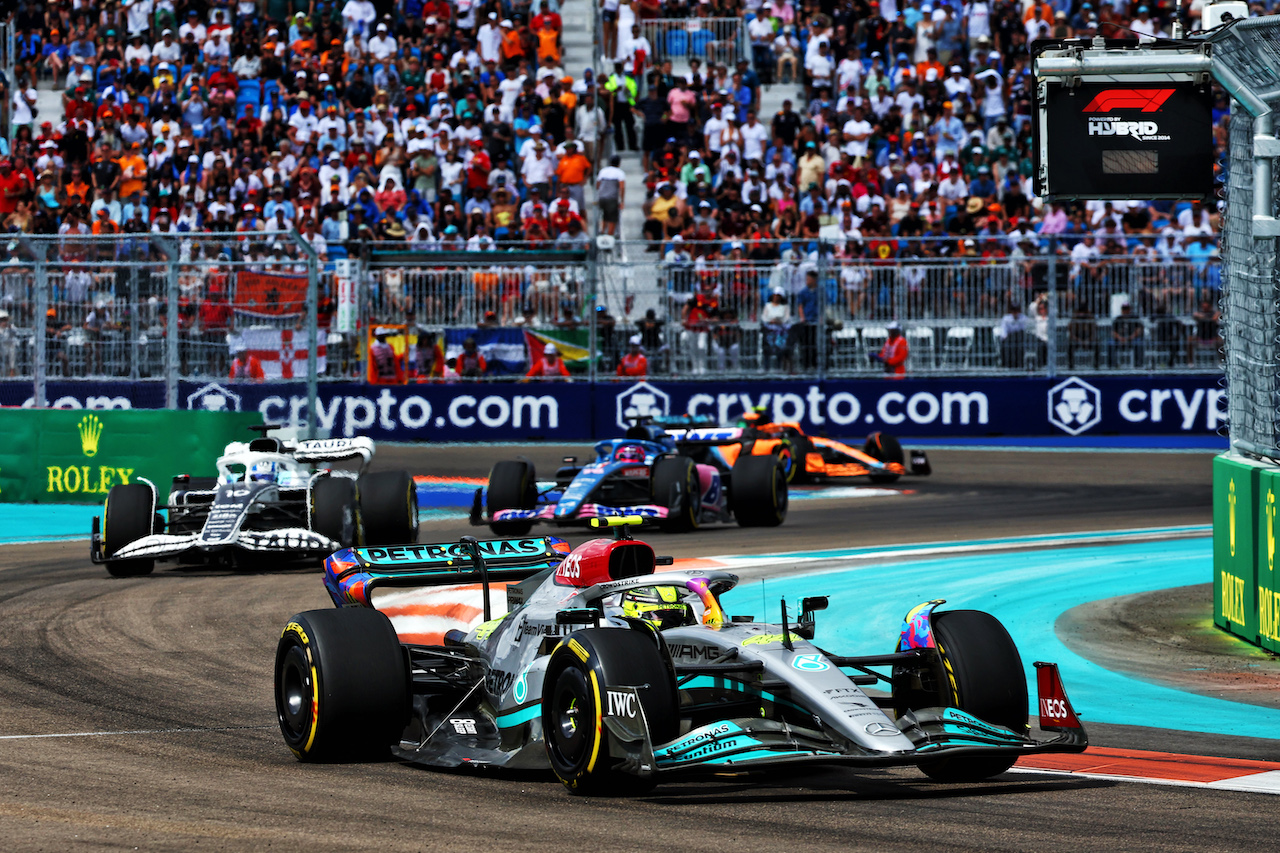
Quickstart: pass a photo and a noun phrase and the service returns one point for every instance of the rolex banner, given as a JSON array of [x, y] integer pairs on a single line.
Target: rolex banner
[[1245, 493], [77, 455]]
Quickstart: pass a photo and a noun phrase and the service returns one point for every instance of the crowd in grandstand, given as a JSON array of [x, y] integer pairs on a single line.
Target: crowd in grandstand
[[454, 125]]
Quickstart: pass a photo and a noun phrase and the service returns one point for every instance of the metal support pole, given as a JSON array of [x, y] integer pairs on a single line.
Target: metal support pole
[[1051, 345], [134, 307], [593, 338], [39, 371], [313, 330], [171, 357], [820, 322]]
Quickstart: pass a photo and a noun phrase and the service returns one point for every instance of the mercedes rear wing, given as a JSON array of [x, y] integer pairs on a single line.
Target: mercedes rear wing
[[351, 575]]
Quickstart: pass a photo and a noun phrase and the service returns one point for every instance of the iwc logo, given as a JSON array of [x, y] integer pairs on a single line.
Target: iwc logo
[[1075, 406]]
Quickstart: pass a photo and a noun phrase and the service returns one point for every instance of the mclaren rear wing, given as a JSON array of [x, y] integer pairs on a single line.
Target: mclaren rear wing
[[351, 574]]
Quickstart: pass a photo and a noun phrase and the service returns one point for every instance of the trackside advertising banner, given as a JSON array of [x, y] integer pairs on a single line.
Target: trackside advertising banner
[[73, 456], [1072, 405]]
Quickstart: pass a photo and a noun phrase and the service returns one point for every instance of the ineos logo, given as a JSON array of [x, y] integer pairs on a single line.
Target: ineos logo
[[571, 568], [1055, 708], [622, 704]]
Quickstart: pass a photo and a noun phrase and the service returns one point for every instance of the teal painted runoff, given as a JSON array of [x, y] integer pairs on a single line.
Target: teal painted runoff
[[1027, 591]]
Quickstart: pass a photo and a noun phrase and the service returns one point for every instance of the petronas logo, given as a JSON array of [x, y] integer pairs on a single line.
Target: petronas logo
[[91, 430]]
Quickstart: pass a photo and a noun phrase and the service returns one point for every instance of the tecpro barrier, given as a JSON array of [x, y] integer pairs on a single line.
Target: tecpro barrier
[[72, 455], [1072, 406]]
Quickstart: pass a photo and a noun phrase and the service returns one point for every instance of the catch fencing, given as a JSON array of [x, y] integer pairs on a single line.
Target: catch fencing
[[249, 306]]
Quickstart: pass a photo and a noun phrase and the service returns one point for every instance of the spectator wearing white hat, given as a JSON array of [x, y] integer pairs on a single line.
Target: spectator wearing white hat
[[894, 354], [633, 362], [549, 368]]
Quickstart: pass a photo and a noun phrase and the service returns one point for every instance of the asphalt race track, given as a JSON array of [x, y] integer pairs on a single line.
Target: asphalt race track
[[138, 713]]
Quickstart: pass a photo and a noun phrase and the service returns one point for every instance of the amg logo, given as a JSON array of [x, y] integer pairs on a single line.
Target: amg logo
[[1139, 130], [687, 651]]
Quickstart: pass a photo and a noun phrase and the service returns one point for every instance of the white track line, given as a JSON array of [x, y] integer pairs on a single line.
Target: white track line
[[134, 732], [1252, 783]]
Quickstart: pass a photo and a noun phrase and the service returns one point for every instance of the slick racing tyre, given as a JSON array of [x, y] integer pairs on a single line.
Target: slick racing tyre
[[512, 485], [884, 448], [580, 671], [128, 515], [668, 473], [801, 447], [785, 454], [341, 684], [758, 491], [335, 510], [389, 508], [984, 677]]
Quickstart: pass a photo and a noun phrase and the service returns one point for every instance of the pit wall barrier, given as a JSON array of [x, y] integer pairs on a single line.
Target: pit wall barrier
[[76, 456], [1246, 583]]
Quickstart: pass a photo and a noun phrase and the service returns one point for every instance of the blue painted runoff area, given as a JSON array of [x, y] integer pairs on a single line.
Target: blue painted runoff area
[[45, 522], [1027, 591]]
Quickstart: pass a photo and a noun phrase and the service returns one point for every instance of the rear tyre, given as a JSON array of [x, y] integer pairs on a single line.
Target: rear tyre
[[389, 508], [668, 472], [341, 685], [984, 677], [576, 740], [335, 510], [512, 485], [128, 515], [884, 448], [758, 492]]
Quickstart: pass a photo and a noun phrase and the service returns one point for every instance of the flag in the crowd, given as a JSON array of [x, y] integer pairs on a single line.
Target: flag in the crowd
[[503, 349], [573, 346], [282, 352], [261, 294]]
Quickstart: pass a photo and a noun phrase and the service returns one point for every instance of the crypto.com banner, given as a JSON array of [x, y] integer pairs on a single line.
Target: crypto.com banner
[[1075, 406]]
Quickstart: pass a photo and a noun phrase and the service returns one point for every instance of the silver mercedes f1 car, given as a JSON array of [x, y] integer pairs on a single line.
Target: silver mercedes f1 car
[[271, 497], [617, 675]]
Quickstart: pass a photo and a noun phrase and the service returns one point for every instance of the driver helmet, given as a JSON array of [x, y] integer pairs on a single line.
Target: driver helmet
[[629, 453], [263, 472], [658, 605]]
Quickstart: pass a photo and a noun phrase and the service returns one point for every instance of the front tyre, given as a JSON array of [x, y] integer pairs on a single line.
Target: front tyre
[[341, 685], [389, 508], [512, 485], [884, 448], [128, 515], [758, 491], [670, 472], [581, 670], [984, 677]]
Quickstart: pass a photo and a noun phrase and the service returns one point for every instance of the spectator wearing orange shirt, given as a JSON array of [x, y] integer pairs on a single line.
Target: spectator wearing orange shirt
[[245, 366], [548, 368], [548, 42], [133, 172], [633, 363], [572, 172], [893, 355]]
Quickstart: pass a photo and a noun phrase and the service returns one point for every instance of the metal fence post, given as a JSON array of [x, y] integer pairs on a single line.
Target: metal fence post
[[313, 327], [134, 307], [171, 342], [820, 327], [1051, 345], [593, 337], [39, 371]]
